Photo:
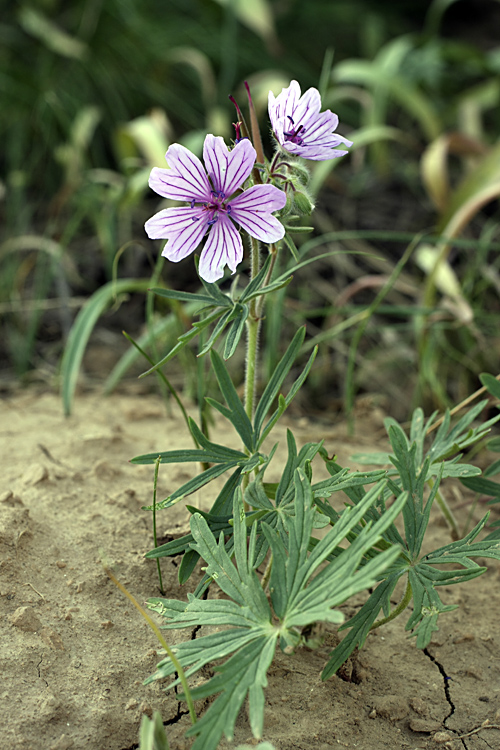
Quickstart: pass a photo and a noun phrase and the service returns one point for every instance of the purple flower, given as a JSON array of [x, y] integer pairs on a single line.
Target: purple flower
[[301, 128], [213, 207]]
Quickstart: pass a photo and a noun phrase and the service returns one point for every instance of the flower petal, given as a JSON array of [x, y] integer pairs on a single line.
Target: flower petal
[[184, 228], [252, 210], [315, 152], [223, 247], [186, 180], [307, 109], [283, 105], [228, 170]]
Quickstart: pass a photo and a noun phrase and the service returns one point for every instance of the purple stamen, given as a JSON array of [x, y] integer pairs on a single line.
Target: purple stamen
[[293, 135]]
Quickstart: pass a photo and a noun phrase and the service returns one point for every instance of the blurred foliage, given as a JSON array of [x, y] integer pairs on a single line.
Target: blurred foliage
[[94, 91]]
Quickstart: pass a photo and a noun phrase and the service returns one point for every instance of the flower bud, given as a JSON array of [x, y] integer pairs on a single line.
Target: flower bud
[[303, 205]]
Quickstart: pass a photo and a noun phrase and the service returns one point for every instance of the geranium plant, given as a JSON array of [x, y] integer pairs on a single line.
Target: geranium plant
[[255, 525]]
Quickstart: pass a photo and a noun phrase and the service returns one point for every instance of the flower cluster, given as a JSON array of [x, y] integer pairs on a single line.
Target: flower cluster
[[215, 193]]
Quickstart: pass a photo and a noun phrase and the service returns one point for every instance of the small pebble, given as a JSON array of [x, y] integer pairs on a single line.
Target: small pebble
[[35, 473], [424, 725], [52, 639], [26, 619], [441, 737], [9, 498], [419, 706]]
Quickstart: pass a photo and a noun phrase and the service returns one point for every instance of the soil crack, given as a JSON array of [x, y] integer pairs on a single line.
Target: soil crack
[[40, 671], [446, 684]]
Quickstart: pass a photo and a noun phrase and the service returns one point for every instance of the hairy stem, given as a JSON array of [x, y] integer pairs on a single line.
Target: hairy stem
[[397, 611], [253, 330]]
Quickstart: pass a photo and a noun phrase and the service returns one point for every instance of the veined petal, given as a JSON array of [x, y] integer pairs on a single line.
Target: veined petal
[[301, 128], [228, 169], [186, 180], [265, 198], [285, 103], [184, 228], [223, 248], [324, 122], [253, 211], [315, 152], [307, 108]]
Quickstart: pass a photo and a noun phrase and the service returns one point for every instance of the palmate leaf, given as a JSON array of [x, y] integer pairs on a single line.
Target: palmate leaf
[[299, 594], [424, 577]]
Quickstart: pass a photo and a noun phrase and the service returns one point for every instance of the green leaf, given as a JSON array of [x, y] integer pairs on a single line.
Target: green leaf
[[183, 296], [427, 608], [192, 485], [236, 413], [235, 332], [494, 445], [253, 287], [218, 297], [282, 369], [245, 672], [188, 564], [213, 454], [449, 442], [292, 247], [360, 625], [377, 459], [491, 384], [225, 319], [284, 402], [152, 733], [196, 329], [483, 486]]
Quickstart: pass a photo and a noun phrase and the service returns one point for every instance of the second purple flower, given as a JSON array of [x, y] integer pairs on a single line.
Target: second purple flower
[[301, 128], [214, 205]]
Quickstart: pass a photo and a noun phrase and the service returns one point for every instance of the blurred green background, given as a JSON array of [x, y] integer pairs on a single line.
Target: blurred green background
[[94, 91]]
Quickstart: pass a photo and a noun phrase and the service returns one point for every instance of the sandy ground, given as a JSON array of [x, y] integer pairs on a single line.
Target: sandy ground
[[75, 653]]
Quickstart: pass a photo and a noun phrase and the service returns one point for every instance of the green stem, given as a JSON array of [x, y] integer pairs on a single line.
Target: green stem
[[157, 468], [447, 512], [156, 630], [253, 330], [395, 612]]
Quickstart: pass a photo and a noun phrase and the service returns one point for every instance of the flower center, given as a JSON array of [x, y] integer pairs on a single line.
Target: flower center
[[214, 205], [293, 135]]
